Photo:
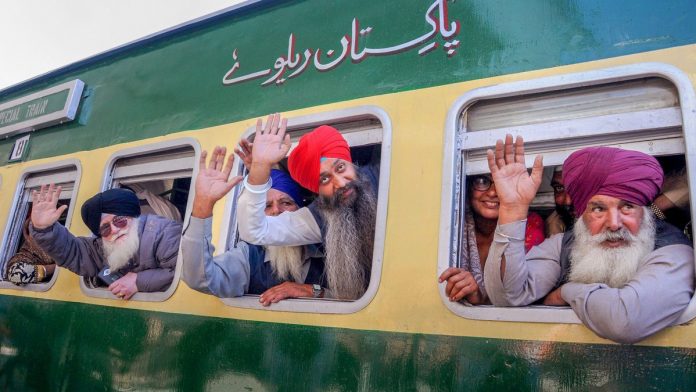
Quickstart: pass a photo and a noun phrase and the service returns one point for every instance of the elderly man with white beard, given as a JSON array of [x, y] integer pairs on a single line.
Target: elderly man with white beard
[[342, 217], [130, 252], [626, 275], [274, 272]]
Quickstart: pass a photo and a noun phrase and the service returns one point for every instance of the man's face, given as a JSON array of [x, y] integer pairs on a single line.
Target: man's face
[[560, 195], [278, 202], [116, 230], [334, 176], [606, 214]]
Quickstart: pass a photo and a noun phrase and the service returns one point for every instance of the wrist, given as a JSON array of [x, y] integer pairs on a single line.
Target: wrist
[[259, 173], [202, 208], [512, 213]]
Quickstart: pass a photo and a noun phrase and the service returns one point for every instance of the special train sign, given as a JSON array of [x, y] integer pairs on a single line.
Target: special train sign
[[42, 109]]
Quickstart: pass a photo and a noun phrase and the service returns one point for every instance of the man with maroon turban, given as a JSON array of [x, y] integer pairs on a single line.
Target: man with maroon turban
[[625, 274], [342, 217]]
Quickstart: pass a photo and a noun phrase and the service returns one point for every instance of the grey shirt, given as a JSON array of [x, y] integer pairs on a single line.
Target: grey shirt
[[653, 300], [226, 275]]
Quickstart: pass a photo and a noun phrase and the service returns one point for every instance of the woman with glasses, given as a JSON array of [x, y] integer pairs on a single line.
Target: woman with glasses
[[481, 217]]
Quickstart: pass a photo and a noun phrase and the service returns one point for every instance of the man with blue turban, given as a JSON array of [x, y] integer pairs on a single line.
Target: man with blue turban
[[274, 272], [129, 252], [625, 274]]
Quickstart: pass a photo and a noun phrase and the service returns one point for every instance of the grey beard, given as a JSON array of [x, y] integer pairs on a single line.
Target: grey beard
[[349, 242], [118, 256], [286, 262], [615, 267]]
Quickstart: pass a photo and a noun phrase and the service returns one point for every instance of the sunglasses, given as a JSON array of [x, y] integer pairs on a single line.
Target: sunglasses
[[481, 183], [119, 221]]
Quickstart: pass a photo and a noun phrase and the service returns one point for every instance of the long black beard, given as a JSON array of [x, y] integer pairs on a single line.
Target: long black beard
[[350, 235]]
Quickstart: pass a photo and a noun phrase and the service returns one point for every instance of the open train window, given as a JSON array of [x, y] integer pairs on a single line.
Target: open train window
[[644, 107], [368, 132], [15, 247], [160, 174]]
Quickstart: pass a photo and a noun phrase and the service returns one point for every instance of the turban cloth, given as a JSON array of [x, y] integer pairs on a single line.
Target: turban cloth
[[113, 201], [305, 159], [628, 175], [281, 181]]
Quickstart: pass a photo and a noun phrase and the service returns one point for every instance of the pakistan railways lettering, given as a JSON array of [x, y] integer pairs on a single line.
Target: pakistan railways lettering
[[293, 62]]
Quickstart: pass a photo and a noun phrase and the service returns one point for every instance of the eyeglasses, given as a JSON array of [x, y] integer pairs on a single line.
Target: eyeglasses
[[119, 221], [558, 188], [481, 183]]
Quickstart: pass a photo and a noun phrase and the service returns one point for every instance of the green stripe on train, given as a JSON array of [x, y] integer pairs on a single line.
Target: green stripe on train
[[175, 84], [53, 345]]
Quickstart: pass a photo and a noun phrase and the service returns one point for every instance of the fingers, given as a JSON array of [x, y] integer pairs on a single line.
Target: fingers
[[60, 211], [213, 158], [233, 182], [56, 195], [228, 166], [449, 272], [259, 127], [538, 169], [492, 166], [500, 154], [220, 158], [201, 161], [246, 146], [510, 150], [283, 128], [269, 124], [519, 149]]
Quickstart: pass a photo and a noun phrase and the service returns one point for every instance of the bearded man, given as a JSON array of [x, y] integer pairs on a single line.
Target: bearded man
[[626, 275], [342, 217], [562, 218], [132, 252], [274, 272]]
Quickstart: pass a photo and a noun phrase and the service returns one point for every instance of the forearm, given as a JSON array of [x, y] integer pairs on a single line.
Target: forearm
[[225, 275], [68, 251], [288, 229], [510, 278], [259, 173]]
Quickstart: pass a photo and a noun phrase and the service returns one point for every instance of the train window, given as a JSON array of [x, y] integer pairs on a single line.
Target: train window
[[160, 174], [18, 252], [643, 107], [368, 132]]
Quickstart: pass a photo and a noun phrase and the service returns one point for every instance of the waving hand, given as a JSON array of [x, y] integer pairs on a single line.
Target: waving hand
[[44, 212], [515, 187]]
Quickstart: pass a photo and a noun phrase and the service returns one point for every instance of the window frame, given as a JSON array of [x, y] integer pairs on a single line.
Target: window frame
[[323, 305], [10, 225], [107, 181], [454, 170]]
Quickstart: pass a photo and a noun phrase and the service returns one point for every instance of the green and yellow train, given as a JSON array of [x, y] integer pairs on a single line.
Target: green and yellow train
[[423, 88]]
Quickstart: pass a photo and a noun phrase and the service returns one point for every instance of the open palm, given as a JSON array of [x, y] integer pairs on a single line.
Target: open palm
[[213, 182], [44, 212], [271, 143], [515, 187]]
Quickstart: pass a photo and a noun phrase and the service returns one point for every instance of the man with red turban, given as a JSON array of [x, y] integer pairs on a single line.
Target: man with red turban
[[626, 274], [342, 217]]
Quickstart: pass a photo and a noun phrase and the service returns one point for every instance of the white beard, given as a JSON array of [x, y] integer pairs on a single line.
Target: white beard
[[118, 255], [286, 262], [592, 263]]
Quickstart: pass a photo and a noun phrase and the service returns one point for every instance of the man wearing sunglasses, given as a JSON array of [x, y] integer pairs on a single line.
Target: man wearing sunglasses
[[130, 252]]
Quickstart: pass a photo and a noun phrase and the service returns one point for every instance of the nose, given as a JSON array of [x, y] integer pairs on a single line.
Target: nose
[[274, 211], [566, 199], [614, 221], [339, 182], [491, 191]]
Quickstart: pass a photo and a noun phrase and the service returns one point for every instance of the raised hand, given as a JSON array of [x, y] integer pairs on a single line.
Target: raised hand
[[244, 152], [213, 182], [271, 143], [44, 212], [515, 187]]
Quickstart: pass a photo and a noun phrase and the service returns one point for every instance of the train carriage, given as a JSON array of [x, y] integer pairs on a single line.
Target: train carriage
[[420, 88]]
